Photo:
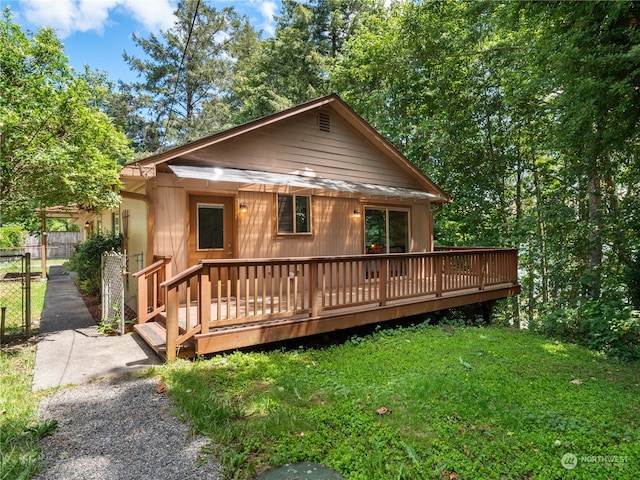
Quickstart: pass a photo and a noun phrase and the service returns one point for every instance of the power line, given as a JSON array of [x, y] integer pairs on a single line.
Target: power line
[[180, 68]]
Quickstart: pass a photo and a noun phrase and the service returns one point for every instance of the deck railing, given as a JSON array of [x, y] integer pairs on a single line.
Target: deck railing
[[230, 292]]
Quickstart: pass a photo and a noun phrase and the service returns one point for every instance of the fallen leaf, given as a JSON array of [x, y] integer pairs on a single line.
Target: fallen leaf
[[450, 475], [576, 381], [383, 411], [161, 388]]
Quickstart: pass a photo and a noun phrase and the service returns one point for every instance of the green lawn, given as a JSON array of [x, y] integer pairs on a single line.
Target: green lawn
[[19, 429], [11, 295], [420, 402]]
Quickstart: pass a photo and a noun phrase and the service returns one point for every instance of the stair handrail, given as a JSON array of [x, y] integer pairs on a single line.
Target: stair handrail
[[151, 305]]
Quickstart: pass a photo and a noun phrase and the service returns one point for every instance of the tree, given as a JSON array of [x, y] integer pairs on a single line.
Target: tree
[[56, 146], [527, 114], [293, 66], [186, 73], [590, 50]]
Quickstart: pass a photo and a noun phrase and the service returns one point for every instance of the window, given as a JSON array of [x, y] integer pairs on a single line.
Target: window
[[210, 226], [294, 214], [115, 223], [386, 230]]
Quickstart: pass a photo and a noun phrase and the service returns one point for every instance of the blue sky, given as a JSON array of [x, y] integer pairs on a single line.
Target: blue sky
[[97, 32]]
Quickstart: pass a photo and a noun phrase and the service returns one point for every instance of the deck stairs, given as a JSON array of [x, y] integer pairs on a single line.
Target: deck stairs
[[154, 333]]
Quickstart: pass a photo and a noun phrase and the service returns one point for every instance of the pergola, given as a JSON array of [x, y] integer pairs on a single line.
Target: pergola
[[69, 212]]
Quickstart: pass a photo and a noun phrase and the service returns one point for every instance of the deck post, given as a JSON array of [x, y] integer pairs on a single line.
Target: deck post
[[384, 274], [482, 260], [172, 323], [439, 276], [143, 298], [204, 299], [313, 288]]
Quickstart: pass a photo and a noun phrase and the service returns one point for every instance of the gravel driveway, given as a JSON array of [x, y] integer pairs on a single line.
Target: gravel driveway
[[120, 429]]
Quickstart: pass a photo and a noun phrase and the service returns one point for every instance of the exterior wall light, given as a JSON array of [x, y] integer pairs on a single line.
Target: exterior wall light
[[356, 213], [243, 208]]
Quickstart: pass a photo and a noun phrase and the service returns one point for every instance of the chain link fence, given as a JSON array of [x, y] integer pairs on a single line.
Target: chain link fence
[[15, 295], [116, 268]]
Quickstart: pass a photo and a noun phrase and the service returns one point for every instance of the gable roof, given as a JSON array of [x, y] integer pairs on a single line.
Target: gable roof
[[339, 106]]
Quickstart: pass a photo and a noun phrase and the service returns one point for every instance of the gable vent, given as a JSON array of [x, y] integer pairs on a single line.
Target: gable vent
[[324, 122]]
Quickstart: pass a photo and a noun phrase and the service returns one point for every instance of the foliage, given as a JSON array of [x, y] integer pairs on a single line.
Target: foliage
[[513, 108], [19, 429], [292, 66], [11, 236], [607, 326], [632, 278], [49, 124], [87, 261], [415, 403], [185, 73]]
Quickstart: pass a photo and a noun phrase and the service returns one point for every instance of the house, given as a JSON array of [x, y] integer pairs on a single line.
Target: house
[[297, 223]]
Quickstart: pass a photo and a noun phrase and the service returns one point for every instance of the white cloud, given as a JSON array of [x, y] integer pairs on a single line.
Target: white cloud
[[268, 10], [70, 16]]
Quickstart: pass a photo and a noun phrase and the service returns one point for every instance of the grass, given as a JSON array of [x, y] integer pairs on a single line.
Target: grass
[[11, 293], [19, 431], [419, 402], [19, 427]]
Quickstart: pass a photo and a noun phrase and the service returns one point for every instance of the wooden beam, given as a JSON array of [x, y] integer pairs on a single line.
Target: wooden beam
[[43, 246]]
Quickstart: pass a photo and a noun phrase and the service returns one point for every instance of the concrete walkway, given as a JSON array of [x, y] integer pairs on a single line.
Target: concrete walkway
[[71, 351]]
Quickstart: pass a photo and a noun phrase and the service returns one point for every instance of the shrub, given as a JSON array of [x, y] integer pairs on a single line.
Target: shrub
[[607, 326], [632, 278], [87, 260], [11, 237]]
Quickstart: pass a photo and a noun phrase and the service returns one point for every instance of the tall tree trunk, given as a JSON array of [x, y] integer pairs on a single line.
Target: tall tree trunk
[[541, 231], [595, 235]]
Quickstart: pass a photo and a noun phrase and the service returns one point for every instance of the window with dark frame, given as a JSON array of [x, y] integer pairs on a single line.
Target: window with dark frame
[[294, 214], [386, 230]]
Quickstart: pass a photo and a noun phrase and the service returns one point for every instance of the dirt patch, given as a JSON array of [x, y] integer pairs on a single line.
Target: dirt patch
[[93, 305]]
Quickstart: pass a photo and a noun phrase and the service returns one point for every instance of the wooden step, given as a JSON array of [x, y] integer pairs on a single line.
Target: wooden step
[[155, 335]]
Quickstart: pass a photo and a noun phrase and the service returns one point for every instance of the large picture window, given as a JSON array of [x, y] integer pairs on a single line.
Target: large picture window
[[210, 226], [294, 214], [386, 230]]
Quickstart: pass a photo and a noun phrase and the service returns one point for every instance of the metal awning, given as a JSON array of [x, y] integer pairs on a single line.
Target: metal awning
[[224, 174]]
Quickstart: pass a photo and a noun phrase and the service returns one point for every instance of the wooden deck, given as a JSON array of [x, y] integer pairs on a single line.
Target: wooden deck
[[238, 303]]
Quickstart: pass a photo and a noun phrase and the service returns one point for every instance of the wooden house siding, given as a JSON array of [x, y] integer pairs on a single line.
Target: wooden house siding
[[334, 229], [295, 146], [171, 224]]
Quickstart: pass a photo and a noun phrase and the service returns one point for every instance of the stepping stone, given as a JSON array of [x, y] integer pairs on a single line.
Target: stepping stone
[[300, 471]]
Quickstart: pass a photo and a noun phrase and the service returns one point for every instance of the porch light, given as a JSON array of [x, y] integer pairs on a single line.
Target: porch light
[[356, 213], [243, 208]]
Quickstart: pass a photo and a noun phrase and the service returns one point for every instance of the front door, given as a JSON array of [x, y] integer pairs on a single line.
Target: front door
[[211, 229]]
